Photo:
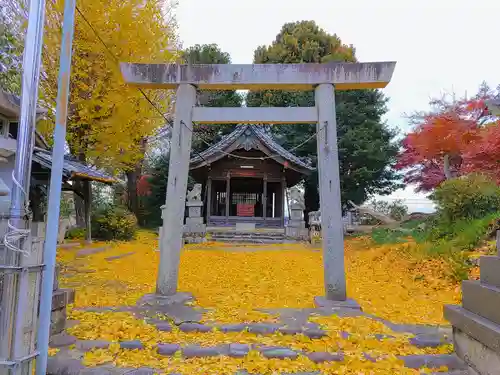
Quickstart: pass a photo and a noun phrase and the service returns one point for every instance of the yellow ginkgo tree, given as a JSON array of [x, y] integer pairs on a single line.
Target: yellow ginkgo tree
[[108, 121]]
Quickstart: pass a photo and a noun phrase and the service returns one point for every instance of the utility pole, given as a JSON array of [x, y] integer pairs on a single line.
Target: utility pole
[[16, 278]]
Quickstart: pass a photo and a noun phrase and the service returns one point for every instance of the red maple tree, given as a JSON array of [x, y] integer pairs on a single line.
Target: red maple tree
[[143, 186], [484, 154], [450, 141]]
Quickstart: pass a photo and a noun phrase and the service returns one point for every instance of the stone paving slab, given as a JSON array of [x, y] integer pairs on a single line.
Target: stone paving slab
[[320, 357], [315, 333], [278, 352], [68, 245], [430, 340], [64, 366], [133, 344], [264, 328], [90, 251], [434, 361], [193, 351], [232, 327], [87, 345], [195, 327], [109, 259], [168, 349], [62, 340]]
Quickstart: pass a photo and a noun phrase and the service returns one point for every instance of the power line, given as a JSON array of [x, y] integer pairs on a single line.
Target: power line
[[118, 62], [256, 157], [167, 120]]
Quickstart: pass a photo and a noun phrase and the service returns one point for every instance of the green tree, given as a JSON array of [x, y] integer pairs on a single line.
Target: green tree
[[211, 54], [366, 147], [155, 189], [10, 56]]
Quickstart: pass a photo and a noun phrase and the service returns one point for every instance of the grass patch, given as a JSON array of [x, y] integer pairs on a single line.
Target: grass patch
[[439, 238]]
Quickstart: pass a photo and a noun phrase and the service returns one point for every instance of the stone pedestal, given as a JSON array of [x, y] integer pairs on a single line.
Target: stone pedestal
[[194, 229], [476, 324], [60, 298], [296, 227], [315, 227]]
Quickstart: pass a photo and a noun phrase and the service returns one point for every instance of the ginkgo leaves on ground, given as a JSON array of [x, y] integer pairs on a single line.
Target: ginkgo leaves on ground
[[234, 281]]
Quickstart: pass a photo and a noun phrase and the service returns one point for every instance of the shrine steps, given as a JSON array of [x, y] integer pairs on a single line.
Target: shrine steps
[[256, 237]]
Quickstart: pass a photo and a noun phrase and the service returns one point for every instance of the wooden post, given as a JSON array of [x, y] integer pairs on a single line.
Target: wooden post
[[283, 190], [228, 191], [329, 193], [264, 197], [209, 198], [87, 191]]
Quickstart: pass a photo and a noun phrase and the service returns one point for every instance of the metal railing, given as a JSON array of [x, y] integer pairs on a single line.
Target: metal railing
[[20, 280]]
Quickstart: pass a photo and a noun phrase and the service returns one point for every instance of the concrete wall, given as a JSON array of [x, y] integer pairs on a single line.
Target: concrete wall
[[6, 175]]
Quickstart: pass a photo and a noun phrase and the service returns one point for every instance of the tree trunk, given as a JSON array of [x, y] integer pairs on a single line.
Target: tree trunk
[[447, 169], [79, 205], [79, 202], [132, 199], [87, 193], [133, 176]]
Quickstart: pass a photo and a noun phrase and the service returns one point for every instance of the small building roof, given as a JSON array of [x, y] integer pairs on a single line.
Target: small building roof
[[10, 107], [72, 169], [250, 137]]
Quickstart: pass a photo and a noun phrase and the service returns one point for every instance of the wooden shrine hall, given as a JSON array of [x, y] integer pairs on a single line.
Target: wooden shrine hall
[[245, 176]]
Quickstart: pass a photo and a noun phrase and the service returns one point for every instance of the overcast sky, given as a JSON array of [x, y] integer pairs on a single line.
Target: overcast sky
[[440, 45]]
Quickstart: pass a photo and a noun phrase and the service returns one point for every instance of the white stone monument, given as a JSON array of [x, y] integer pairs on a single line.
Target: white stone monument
[[296, 227], [194, 229]]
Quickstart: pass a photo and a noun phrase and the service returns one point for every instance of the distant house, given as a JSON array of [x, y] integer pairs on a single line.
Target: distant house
[[41, 163]]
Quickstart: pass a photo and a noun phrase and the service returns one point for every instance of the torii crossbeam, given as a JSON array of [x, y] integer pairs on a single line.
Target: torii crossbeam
[[323, 78]]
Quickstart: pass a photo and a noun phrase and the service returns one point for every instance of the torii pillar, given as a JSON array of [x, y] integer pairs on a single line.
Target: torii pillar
[[323, 78]]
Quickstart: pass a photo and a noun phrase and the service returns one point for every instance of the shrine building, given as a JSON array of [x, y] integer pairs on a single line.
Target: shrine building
[[244, 178]]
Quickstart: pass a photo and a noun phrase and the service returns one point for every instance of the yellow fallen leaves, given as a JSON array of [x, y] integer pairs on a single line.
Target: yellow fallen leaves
[[388, 281], [254, 363], [385, 280], [123, 326]]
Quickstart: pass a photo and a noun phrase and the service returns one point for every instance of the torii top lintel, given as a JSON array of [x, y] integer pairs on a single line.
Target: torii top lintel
[[345, 76]]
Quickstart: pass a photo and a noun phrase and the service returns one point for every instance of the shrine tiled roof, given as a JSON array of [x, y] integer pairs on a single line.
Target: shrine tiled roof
[[72, 168], [219, 149]]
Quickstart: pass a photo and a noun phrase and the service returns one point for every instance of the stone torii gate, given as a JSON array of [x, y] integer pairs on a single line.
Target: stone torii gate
[[322, 78]]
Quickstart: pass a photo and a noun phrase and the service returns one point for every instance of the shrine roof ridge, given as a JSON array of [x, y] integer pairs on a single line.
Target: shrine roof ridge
[[344, 75], [217, 150]]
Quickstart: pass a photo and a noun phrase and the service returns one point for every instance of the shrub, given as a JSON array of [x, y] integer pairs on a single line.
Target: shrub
[[470, 197], [114, 223], [76, 234]]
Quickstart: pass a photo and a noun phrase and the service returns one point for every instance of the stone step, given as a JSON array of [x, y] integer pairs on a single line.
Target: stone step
[[60, 365], [489, 270], [481, 299], [479, 328], [249, 236], [311, 330], [243, 234], [249, 240]]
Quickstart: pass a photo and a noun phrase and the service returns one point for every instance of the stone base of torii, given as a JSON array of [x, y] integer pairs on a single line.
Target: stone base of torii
[[324, 79]]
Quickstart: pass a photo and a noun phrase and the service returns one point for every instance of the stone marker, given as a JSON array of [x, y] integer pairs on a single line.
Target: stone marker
[[194, 229], [296, 227]]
